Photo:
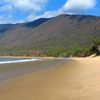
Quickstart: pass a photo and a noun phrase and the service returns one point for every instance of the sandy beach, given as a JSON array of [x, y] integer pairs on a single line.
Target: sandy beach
[[53, 79]]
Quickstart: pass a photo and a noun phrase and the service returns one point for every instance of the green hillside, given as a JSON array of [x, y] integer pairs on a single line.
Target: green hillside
[[64, 35]]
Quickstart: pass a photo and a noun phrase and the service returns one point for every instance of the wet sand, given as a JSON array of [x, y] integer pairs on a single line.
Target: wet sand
[[77, 79], [9, 71]]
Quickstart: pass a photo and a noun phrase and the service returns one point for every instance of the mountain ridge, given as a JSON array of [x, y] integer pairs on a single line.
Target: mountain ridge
[[60, 32]]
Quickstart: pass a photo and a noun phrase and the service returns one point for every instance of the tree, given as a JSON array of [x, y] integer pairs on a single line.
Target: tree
[[96, 47]]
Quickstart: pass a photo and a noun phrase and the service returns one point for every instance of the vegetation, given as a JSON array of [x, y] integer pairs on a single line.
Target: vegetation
[[53, 51], [96, 47], [64, 36], [80, 52]]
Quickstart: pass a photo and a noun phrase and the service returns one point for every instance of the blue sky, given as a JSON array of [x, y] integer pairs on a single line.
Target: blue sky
[[17, 11]]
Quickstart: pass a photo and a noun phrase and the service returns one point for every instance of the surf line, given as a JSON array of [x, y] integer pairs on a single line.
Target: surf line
[[19, 61]]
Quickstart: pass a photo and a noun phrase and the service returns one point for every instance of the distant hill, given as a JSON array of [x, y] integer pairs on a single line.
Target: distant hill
[[58, 33]]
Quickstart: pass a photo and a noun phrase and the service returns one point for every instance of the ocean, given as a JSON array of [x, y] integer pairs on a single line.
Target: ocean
[[15, 60]]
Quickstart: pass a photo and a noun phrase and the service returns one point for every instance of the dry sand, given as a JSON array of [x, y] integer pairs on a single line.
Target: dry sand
[[78, 79]]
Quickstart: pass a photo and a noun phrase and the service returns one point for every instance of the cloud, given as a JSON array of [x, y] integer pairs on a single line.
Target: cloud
[[29, 10], [47, 14], [72, 7], [50, 14], [26, 5], [9, 9], [78, 6]]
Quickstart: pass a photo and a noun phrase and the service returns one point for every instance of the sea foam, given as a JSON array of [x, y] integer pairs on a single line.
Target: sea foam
[[18, 61]]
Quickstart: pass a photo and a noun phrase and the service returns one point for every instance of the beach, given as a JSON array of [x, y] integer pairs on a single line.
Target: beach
[[52, 79]]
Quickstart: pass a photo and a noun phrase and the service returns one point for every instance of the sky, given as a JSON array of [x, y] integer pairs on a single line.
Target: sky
[[19, 11]]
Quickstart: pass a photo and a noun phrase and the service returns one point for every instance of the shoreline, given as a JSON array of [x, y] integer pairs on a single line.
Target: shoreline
[[19, 61], [77, 79], [15, 57], [13, 70], [25, 57]]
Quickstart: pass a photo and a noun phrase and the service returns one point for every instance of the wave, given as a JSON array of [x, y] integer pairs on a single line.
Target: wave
[[19, 61]]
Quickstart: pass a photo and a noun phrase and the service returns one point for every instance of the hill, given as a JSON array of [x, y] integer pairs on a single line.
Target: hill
[[51, 36]]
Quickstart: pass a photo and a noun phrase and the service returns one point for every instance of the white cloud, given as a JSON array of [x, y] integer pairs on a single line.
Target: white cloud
[[47, 14], [78, 6], [73, 7], [27, 5], [6, 9], [30, 8], [70, 7], [31, 17], [10, 8]]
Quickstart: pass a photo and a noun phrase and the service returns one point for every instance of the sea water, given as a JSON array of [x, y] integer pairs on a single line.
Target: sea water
[[15, 60]]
